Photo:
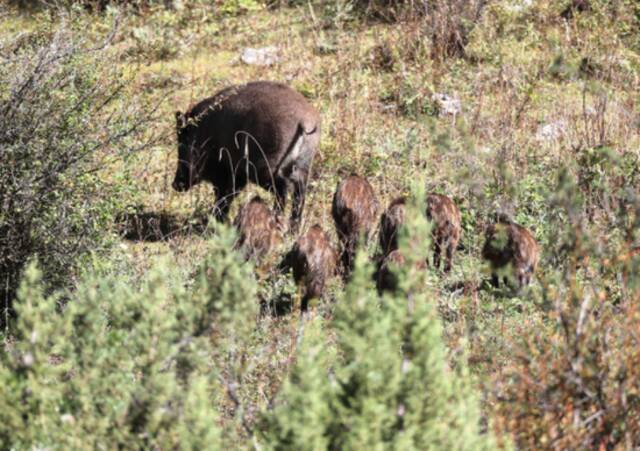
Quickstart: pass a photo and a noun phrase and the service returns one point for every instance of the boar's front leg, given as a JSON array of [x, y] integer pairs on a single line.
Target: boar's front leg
[[281, 189]]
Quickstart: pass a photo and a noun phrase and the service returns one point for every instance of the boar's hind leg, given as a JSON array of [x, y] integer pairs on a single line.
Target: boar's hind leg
[[299, 179], [451, 247], [437, 253]]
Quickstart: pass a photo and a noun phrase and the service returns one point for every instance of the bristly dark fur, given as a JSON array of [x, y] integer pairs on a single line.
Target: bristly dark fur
[[385, 277], [260, 132], [259, 229], [390, 222], [354, 211], [508, 243], [445, 215], [313, 261]]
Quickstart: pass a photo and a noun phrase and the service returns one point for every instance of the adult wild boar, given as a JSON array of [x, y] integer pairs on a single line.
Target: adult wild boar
[[354, 211], [259, 229], [445, 217], [261, 132], [313, 261], [510, 244]]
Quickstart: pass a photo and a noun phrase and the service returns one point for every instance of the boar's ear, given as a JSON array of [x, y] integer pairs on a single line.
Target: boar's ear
[[180, 120]]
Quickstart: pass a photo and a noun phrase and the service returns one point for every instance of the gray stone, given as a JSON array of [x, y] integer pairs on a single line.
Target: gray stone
[[264, 56], [551, 131], [447, 105]]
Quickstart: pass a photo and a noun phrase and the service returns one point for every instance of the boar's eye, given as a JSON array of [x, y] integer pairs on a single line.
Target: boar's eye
[[181, 120]]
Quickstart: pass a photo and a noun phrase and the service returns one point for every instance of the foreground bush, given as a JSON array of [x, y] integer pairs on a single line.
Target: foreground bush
[[125, 366], [580, 387], [62, 119], [387, 383], [148, 364]]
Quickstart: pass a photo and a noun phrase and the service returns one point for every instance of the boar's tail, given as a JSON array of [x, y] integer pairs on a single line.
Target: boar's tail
[[296, 151], [307, 131]]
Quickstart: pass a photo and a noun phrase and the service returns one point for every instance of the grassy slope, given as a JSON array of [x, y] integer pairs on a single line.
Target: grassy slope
[[363, 132], [502, 110]]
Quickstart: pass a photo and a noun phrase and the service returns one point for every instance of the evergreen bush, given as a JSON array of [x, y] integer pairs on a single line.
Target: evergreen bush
[[386, 382], [125, 366]]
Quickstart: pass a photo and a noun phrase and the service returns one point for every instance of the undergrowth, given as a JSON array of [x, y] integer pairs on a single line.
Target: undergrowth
[[158, 338]]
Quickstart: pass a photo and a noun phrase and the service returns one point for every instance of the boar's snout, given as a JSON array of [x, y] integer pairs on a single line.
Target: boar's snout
[[182, 179], [179, 185]]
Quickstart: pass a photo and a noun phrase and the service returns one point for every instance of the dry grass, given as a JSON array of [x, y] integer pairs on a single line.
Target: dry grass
[[521, 72]]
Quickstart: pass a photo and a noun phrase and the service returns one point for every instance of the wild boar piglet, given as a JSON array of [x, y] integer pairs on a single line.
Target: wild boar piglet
[[313, 261], [445, 216], [510, 244], [354, 211], [260, 229]]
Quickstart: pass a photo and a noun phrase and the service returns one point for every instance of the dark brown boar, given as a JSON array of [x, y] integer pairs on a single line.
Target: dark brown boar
[[390, 222], [259, 229], [510, 244], [313, 261], [445, 216], [354, 211], [261, 132]]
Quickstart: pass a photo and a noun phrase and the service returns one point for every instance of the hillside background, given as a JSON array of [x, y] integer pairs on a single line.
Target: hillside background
[[137, 325]]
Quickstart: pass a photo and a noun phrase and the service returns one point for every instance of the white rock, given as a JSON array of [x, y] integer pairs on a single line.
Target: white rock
[[265, 56], [27, 359], [68, 418], [447, 105], [590, 111], [520, 6], [551, 131]]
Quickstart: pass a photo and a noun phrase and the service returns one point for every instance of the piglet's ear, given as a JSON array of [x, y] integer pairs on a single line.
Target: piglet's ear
[[180, 120]]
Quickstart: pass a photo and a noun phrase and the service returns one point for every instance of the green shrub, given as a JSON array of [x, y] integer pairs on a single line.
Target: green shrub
[[386, 383], [126, 366]]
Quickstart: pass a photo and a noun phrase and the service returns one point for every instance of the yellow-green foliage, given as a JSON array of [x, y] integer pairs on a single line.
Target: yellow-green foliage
[[390, 386], [123, 365], [547, 127]]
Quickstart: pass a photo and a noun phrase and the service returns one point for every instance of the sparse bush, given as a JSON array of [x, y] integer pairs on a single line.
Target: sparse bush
[[576, 386], [62, 123], [158, 38], [446, 24]]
